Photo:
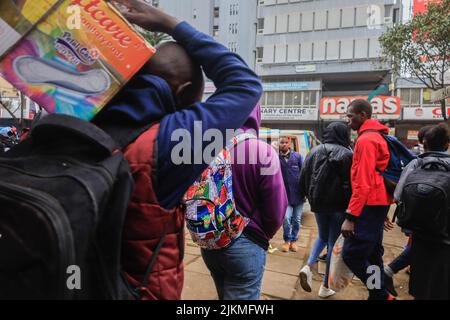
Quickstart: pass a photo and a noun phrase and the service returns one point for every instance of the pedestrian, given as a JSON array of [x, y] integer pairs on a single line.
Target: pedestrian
[[238, 269], [162, 99], [325, 182], [404, 259], [429, 255], [291, 164], [370, 201]]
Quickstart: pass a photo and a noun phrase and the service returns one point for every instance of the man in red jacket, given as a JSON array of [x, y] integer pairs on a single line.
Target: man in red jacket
[[370, 202]]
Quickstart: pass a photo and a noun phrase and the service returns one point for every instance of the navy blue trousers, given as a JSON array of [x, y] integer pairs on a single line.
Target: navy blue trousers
[[365, 249]]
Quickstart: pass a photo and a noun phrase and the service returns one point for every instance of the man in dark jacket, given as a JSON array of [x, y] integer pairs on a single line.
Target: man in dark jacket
[[291, 164], [325, 181]]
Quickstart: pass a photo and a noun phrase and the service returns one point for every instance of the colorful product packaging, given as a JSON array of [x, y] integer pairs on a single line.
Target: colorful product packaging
[[69, 56]]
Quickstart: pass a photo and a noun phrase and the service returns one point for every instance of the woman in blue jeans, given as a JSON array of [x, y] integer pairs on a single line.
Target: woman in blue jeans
[[325, 181], [259, 192]]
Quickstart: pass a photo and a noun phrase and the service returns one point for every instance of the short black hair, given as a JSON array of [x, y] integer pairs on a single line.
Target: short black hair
[[422, 132], [359, 106], [437, 138]]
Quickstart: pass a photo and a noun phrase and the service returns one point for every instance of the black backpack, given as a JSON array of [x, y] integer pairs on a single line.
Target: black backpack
[[425, 201], [64, 192]]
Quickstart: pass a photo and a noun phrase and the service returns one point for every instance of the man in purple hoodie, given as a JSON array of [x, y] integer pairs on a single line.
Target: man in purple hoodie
[[260, 195]]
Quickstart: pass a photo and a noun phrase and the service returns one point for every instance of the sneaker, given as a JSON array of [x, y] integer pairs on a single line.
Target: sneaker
[[323, 257], [306, 278], [285, 247], [325, 292], [293, 247], [389, 284], [272, 249]]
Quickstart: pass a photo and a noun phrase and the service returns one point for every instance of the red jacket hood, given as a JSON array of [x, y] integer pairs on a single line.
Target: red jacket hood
[[373, 124]]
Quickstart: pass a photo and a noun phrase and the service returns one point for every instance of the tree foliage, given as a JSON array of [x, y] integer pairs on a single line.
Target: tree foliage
[[421, 47], [154, 38]]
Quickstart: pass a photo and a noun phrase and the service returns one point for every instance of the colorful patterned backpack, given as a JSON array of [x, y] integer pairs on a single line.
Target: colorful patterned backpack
[[211, 214]]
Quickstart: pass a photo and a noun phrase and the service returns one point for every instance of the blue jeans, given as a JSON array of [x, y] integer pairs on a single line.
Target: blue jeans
[[329, 225], [291, 225], [365, 248], [402, 261], [237, 270]]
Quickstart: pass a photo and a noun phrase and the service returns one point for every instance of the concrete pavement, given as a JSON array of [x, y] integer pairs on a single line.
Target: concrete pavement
[[281, 281]]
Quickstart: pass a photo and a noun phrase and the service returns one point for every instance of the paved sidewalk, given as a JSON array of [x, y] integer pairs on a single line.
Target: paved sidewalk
[[280, 280]]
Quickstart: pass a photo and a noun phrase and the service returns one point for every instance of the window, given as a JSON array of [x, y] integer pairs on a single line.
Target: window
[[269, 25], [294, 22], [320, 20], [216, 12], [426, 97], [346, 49], [260, 25], [319, 50], [274, 98], [293, 52], [361, 48], [280, 53], [332, 49], [282, 23], [259, 54], [269, 53], [293, 98], [306, 51], [307, 21], [215, 31], [396, 16], [361, 16], [415, 97], [334, 19], [348, 17], [410, 97]]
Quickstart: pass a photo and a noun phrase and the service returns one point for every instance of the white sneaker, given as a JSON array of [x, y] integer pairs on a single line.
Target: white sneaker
[[326, 292], [306, 278]]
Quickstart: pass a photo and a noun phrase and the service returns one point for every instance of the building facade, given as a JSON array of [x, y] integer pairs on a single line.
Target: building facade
[[319, 55], [231, 22]]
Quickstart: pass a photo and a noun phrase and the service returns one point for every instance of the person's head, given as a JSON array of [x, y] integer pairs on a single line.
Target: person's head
[[337, 133], [358, 112], [285, 144], [437, 138], [422, 133], [172, 63]]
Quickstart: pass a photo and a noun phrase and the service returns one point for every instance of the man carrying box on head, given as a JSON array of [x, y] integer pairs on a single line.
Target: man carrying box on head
[[161, 100]]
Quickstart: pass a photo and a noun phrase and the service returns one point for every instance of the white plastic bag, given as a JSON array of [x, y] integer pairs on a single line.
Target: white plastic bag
[[340, 275]]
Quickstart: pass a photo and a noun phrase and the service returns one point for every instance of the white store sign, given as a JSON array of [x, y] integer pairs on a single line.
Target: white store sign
[[289, 113], [425, 113]]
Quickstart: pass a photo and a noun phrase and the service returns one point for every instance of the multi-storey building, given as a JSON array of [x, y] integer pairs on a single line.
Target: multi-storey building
[[231, 22], [316, 55]]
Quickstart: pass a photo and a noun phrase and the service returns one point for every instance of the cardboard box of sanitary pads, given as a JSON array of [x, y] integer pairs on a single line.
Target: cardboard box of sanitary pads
[[69, 56]]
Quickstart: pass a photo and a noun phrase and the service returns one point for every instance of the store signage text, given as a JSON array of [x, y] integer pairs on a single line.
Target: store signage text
[[384, 107]]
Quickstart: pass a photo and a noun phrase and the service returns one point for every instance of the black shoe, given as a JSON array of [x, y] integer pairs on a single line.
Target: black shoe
[[389, 284], [323, 258]]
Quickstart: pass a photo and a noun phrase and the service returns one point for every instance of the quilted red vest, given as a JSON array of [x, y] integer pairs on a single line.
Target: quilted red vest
[[145, 224]]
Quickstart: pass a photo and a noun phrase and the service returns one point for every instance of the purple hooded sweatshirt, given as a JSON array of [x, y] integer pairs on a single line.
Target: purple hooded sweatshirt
[[258, 185]]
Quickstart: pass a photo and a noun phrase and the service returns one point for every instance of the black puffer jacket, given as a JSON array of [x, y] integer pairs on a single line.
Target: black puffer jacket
[[325, 176]]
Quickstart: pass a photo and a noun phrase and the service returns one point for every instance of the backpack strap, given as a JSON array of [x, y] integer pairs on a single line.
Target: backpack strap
[[238, 139], [143, 286]]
